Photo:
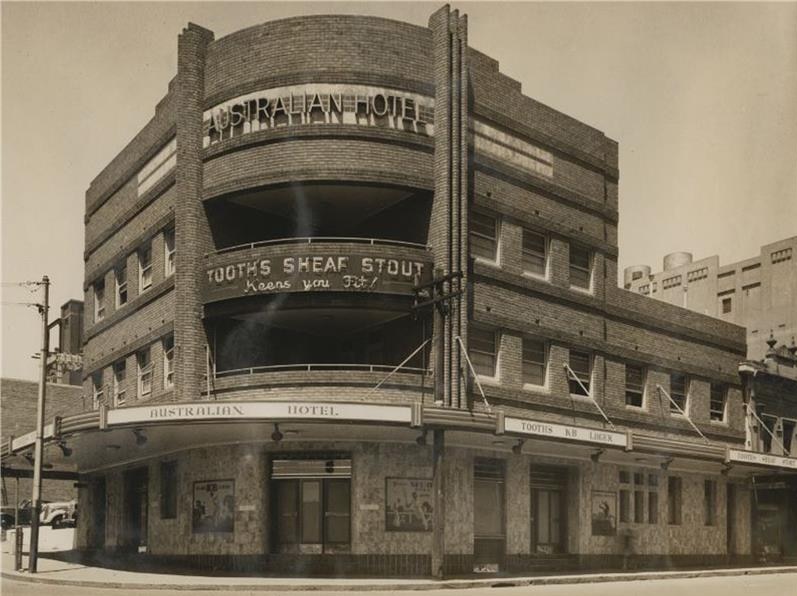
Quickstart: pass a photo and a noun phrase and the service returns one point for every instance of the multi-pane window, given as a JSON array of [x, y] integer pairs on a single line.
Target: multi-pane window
[[653, 499], [534, 252], [580, 267], [168, 473], [97, 390], [483, 351], [144, 362], [674, 500], [634, 385], [625, 496], [121, 286], [99, 300], [168, 361], [534, 361], [484, 236], [717, 402], [788, 435], [145, 268], [769, 424], [119, 387], [581, 365], [168, 248], [710, 502], [639, 504], [679, 385], [726, 305]]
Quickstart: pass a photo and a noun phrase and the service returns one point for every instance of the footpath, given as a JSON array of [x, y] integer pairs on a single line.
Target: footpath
[[56, 572]]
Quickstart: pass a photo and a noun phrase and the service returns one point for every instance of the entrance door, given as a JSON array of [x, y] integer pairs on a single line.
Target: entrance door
[[548, 509], [489, 527], [98, 499], [135, 520]]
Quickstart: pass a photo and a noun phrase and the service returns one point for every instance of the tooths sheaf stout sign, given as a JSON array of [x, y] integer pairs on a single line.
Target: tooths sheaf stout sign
[[233, 275]]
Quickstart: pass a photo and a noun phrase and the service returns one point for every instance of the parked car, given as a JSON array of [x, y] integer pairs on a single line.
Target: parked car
[[59, 514], [7, 514]]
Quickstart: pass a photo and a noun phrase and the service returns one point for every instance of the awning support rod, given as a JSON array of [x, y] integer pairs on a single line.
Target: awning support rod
[[673, 402], [761, 422], [403, 362], [473, 372], [573, 376]]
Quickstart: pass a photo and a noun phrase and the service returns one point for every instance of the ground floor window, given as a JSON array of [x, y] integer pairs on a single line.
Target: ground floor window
[[314, 509]]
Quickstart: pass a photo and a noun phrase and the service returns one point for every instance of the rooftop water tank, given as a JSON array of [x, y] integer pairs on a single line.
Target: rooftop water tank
[[677, 259], [634, 273]]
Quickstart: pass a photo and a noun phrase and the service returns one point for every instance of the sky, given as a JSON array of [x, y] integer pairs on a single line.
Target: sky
[[702, 98]]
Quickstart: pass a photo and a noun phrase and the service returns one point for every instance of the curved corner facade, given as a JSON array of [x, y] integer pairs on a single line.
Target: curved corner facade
[[352, 308]]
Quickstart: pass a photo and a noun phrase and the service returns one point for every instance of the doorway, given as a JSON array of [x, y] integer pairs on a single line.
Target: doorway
[[489, 519], [548, 488], [99, 502], [136, 484]]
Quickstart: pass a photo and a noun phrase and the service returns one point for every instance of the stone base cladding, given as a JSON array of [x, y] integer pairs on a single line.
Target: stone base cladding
[[375, 550]]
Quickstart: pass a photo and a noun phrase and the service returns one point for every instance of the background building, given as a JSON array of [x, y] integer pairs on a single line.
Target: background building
[[351, 300], [759, 293]]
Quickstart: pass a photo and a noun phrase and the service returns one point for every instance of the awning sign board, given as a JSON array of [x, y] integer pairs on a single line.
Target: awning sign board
[[204, 411], [761, 459], [578, 434]]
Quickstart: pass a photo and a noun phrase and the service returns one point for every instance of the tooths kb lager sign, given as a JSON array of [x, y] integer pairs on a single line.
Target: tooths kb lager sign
[[254, 272]]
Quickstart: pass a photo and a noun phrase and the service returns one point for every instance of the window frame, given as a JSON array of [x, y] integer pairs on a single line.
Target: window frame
[[496, 258], [168, 361], [642, 388], [144, 372], [118, 383], [144, 268], [97, 390], [497, 349], [711, 410], [589, 382], [545, 254], [687, 387], [121, 286], [99, 299], [169, 252], [589, 269], [543, 364]]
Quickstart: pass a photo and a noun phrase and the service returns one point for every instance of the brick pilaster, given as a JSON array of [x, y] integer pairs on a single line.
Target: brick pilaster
[[192, 232]]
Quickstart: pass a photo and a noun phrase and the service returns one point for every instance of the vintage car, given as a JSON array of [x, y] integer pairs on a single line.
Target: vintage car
[[59, 514]]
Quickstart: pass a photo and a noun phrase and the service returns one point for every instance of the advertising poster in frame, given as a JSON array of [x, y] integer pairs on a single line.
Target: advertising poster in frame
[[213, 507], [604, 513], [409, 506]]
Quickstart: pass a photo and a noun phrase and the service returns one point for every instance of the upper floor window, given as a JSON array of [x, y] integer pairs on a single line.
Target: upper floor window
[[679, 387], [169, 250], [484, 236], [580, 267], [634, 385], [717, 402], [581, 364], [119, 379], [121, 286], [727, 305], [168, 362], [534, 361], [145, 268], [483, 351], [144, 362], [535, 253], [99, 300], [97, 390]]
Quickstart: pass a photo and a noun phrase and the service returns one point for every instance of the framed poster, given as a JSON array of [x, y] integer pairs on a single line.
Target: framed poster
[[213, 507], [409, 506], [604, 513]]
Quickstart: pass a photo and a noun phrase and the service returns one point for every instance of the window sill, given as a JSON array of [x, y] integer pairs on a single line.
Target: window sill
[[579, 396], [484, 261], [494, 381], [580, 290], [536, 388], [634, 408], [537, 276]]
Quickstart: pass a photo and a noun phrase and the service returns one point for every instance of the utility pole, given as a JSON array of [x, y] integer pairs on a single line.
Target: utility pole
[[39, 451], [436, 294]]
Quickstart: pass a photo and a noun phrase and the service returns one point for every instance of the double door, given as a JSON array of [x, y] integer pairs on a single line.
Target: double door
[[548, 487]]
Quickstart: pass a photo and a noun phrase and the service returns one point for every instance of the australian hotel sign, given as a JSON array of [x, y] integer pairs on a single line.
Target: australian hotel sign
[[233, 275], [319, 104]]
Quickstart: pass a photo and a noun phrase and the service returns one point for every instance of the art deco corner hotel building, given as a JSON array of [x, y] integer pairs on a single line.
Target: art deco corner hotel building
[[280, 383]]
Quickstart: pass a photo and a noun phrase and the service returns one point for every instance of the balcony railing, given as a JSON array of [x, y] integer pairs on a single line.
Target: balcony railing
[[221, 374], [317, 240]]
